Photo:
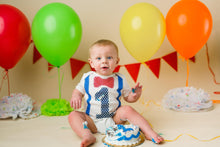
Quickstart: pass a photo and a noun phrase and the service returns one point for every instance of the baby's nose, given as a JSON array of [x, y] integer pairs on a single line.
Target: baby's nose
[[104, 60]]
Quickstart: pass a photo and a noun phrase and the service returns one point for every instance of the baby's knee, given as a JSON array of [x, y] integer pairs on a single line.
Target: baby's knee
[[71, 115], [75, 114], [127, 110]]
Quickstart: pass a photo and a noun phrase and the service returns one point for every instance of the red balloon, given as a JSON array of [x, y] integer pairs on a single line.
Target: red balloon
[[15, 35]]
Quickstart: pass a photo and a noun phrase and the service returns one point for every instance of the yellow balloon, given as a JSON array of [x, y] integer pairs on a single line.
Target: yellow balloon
[[142, 30]]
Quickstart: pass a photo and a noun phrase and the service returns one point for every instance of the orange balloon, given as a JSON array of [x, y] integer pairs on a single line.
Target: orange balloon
[[189, 25]]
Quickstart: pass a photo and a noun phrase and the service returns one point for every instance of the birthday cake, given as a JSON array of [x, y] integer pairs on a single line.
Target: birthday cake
[[123, 135]]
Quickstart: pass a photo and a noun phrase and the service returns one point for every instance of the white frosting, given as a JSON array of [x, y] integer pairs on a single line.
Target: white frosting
[[122, 135]]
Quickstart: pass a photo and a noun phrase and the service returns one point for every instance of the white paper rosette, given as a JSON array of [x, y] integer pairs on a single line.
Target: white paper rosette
[[187, 99], [18, 105]]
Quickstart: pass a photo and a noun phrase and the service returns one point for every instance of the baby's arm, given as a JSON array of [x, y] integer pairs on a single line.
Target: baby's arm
[[76, 100], [135, 94]]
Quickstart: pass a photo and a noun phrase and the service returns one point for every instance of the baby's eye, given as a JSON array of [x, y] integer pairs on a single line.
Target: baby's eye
[[109, 57], [98, 58]]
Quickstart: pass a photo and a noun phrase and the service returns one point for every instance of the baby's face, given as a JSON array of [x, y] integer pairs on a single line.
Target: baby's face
[[104, 59]]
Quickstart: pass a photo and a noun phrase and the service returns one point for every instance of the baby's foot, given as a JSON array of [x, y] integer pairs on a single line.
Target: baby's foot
[[157, 139], [88, 140], [154, 137]]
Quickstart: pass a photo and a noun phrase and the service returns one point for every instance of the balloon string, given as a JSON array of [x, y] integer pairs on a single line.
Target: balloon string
[[193, 138], [8, 84], [187, 62], [210, 69], [5, 77], [58, 69], [59, 81], [187, 78]]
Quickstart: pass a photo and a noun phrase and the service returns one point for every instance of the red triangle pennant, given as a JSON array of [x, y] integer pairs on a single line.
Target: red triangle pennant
[[50, 66], [154, 66], [133, 70], [92, 69], [37, 55], [76, 66], [117, 68], [171, 59], [193, 59]]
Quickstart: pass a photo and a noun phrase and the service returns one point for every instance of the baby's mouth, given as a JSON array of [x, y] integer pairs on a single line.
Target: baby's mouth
[[105, 67]]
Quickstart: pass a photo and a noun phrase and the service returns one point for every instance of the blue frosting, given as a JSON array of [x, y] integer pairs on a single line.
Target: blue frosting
[[153, 140], [129, 138], [125, 130]]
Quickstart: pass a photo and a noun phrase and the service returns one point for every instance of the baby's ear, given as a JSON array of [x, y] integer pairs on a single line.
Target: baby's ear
[[118, 61], [90, 62]]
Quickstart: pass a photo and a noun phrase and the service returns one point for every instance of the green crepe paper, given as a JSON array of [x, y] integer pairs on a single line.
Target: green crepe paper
[[56, 107]]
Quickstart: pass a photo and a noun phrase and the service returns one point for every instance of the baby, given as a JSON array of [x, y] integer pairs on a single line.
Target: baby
[[102, 90]]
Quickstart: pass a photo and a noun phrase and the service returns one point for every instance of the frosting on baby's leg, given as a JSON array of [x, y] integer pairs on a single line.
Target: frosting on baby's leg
[[85, 123]]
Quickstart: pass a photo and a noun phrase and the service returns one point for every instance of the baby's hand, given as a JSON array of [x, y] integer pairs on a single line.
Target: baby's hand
[[135, 94], [76, 99], [136, 91]]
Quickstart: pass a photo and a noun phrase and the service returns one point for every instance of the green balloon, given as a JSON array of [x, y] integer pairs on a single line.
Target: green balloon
[[56, 32]]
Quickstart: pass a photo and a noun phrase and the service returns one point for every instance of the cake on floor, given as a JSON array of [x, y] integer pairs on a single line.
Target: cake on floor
[[123, 135]]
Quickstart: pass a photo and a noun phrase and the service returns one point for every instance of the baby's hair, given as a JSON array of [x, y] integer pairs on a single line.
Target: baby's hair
[[104, 42]]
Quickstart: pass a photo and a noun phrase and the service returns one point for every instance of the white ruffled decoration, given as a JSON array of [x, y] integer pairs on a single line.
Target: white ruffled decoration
[[18, 105], [187, 99]]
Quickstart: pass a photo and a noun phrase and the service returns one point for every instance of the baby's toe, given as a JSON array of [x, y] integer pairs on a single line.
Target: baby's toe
[[158, 139]]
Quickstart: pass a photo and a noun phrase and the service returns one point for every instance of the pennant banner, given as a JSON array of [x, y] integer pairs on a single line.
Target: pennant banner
[[133, 69], [171, 59], [76, 66], [193, 59], [37, 55], [50, 66], [154, 66], [117, 68]]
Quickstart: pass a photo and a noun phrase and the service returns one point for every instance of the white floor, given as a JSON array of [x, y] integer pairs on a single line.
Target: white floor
[[200, 129]]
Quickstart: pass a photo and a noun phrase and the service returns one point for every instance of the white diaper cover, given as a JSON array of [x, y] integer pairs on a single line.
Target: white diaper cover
[[103, 124]]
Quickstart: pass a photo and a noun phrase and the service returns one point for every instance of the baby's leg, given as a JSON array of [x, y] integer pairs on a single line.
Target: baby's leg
[[76, 120], [127, 112]]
